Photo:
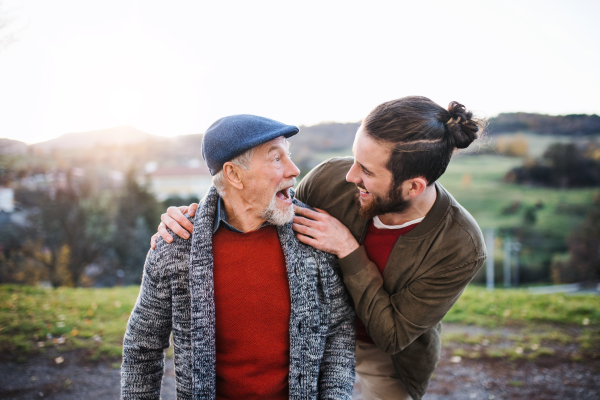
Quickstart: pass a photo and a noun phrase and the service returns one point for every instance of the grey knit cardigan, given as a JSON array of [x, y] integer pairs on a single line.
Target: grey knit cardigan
[[177, 295]]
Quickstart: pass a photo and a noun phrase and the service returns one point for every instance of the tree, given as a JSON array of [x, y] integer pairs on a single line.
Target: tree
[[68, 231], [137, 211], [562, 165]]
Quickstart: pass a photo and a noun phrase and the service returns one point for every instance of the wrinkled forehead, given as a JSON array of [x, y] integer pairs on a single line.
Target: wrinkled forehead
[[279, 143]]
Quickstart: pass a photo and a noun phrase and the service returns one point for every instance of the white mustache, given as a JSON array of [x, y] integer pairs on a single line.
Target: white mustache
[[286, 184]]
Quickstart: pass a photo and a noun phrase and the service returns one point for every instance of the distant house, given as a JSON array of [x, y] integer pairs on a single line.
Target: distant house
[[7, 199], [179, 181]]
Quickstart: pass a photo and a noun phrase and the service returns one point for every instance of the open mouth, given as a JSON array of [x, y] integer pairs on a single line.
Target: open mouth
[[283, 194], [363, 191]]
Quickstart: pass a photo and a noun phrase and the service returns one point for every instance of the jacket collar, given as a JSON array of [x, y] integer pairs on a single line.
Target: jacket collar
[[435, 215]]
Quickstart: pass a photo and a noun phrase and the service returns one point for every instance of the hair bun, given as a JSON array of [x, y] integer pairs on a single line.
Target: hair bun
[[461, 127]]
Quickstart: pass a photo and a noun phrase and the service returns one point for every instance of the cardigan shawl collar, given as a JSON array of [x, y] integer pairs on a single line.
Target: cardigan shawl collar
[[203, 305]]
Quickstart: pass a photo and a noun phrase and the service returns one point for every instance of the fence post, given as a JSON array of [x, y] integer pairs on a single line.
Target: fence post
[[516, 247], [507, 250], [489, 270]]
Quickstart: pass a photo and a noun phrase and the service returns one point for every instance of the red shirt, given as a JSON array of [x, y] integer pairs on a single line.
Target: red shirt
[[378, 245], [252, 312]]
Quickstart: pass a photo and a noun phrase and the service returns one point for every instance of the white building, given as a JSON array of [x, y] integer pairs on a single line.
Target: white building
[[179, 181], [7, 199]]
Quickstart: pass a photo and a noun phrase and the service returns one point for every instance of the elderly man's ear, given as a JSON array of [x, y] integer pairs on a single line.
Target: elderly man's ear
[[233, 175]]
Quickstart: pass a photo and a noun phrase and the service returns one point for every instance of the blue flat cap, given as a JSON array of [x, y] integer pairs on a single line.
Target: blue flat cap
[[231, 136]]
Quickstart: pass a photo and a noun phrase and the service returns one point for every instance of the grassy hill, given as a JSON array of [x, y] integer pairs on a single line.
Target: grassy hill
[[476, 182]]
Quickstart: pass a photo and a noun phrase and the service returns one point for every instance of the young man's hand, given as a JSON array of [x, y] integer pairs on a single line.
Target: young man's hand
[[323, 232], [177, 222]]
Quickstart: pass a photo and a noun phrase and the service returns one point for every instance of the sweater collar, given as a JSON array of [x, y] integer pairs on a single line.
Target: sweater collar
[[221, 218]]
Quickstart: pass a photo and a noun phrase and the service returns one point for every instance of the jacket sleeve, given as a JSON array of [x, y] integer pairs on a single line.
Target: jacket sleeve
[[395, 321], [148, 331], [336, 377]]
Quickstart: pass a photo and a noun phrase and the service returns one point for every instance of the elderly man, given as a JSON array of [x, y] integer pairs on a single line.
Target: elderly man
[[255, 314], [406, 248]]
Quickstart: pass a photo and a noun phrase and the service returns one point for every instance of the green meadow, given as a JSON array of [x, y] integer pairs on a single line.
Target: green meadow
[[476, 183], [34, 319], [93, 321]]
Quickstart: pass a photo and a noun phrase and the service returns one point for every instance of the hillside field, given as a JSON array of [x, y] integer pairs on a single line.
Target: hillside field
[[476, 183]]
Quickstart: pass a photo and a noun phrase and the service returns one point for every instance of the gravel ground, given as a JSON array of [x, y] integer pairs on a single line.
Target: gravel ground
[[548, 377]]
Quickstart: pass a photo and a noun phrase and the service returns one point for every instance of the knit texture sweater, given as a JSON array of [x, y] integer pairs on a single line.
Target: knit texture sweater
[[251, 292], [177, 296]]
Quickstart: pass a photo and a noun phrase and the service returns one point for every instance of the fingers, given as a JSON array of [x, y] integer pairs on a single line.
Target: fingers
[[153, 241], [190, 210], [303, 229], [176, 214], [307, 240], [162, 231], [322, 211], [305, 221], [174, 226], [182, 209], [305, 212]]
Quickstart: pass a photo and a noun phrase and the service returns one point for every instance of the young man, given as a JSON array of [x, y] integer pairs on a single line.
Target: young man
[[407, 249], [255, 314]]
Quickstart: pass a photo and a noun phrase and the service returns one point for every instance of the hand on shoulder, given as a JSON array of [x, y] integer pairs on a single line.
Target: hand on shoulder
[[176, 220]]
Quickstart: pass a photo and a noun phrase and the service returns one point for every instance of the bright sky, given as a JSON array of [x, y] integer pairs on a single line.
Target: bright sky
[[172, 68]]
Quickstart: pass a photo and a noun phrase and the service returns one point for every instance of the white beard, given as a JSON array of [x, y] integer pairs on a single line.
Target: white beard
[[277, 215]]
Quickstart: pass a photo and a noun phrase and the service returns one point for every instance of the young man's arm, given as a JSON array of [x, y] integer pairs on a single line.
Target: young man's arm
[[148, 331], [395, 320], [336, 378]]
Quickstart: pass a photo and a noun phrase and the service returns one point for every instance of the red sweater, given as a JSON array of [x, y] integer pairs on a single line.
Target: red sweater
[[252, 311], [378, 245]]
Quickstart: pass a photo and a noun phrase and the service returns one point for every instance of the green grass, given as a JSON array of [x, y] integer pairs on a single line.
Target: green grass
[[35, 319], [517, 307], [32, 320], [539, 325]]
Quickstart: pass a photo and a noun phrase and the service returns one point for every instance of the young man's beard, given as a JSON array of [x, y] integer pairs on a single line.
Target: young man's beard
[[393, 203]]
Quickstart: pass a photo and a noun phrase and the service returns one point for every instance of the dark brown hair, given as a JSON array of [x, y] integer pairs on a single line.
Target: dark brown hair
[[421, 134]]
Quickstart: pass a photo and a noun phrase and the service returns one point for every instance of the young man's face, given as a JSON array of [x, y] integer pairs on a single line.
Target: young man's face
[[269, 179], [377, 194]]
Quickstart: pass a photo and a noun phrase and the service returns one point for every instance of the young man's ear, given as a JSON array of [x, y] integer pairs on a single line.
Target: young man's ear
[[233, 175], [416, 186]]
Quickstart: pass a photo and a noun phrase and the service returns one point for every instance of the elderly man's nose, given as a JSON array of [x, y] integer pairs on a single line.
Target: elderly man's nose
[[292, 170]]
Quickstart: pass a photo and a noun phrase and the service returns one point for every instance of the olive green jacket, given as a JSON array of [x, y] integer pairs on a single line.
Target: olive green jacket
[[426, 272]]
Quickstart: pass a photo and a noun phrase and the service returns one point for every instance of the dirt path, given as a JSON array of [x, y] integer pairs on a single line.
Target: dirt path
[[42, 378], [547, 377]]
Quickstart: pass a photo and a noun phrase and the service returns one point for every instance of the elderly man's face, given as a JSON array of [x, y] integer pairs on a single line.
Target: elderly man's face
[[268, 181]]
